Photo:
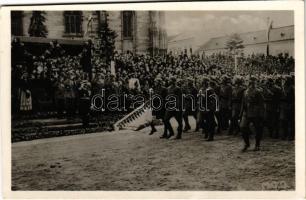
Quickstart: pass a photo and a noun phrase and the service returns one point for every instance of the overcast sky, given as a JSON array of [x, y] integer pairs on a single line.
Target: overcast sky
[[206, 24]]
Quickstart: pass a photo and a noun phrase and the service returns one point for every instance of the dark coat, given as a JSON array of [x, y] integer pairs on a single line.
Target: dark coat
[[252, 104], [158, 102]]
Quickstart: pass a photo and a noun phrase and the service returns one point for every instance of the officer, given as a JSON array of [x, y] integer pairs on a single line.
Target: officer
[[236, 105], [225, 102], [158, 104], [190, 100], [251, 112], [173, 107]]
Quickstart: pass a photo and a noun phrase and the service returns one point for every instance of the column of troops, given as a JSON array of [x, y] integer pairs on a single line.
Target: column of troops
[[244, 105]]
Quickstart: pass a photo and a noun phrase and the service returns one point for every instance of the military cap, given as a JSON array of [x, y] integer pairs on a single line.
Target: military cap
[[157, 79], [172, 78], [225, 79], [238, 80]]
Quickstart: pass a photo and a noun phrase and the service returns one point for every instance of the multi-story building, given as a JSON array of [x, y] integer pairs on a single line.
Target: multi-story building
[[137, 31], [281, 40]]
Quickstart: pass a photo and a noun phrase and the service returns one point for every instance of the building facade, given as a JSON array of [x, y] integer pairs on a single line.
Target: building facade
[[137, 31], [281, 40]]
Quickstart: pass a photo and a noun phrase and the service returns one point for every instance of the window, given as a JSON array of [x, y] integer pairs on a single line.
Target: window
[[127, 22], [16, 26], [73, 22]]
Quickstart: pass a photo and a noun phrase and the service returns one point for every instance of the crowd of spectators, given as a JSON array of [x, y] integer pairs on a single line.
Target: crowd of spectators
[[51, 81]]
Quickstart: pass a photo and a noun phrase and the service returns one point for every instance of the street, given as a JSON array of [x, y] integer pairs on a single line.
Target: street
[[130, 160]]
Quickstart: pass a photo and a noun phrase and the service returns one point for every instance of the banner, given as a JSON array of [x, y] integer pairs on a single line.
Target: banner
[[113, 69]]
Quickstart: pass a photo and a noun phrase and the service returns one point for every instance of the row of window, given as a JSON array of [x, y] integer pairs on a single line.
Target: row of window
[[73, 23]]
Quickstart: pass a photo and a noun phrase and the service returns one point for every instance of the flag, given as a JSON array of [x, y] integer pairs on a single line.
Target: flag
[[268, 35], [89, 24], [113, 70]]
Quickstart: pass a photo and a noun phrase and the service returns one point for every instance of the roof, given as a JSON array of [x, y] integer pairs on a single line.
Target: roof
[[171, 37], [180, 37], [251, 38]]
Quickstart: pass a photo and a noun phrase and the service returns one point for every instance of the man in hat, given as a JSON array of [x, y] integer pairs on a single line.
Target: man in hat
[[173, 108], [236, 105], [251, 112]]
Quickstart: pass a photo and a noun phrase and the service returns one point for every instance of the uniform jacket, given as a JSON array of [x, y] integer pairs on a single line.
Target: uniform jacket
[[252, 103]]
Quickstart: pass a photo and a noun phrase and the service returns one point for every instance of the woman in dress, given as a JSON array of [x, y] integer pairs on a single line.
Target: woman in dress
[[25, 95]]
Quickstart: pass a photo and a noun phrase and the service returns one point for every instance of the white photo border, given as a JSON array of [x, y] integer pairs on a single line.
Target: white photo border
[[5, 106]]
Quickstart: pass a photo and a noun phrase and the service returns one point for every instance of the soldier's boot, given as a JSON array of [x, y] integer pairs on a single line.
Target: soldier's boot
[[211, 131], [245, 135], [187, 128], [205, 133], [245, 148], [187, 125], [258, 137], [257, 148], [197, 128], [231, 128], [210, 137], [179, 132], [171, 133], [153, 129], [169, 128]]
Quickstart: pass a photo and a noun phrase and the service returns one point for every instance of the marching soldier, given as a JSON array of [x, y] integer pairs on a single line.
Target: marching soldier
[[236, 105], [211, 108], [251, 112], [174, 109], [158, 105], [225, 103], [190, 93]]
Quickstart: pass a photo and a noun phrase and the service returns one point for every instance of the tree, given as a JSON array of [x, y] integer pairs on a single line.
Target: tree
[[37, 27], [107, 39], [234, 44]]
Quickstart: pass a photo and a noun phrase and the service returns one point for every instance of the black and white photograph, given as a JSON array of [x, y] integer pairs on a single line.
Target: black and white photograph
[[152, 100]]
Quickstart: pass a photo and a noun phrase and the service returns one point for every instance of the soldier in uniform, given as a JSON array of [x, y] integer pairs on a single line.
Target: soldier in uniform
[[236, 105], [173, 109], [287, 118], [158, 104], [190, 93], [225, 103], [271, 97], [251, 112], [201, 102], [211, 108]]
